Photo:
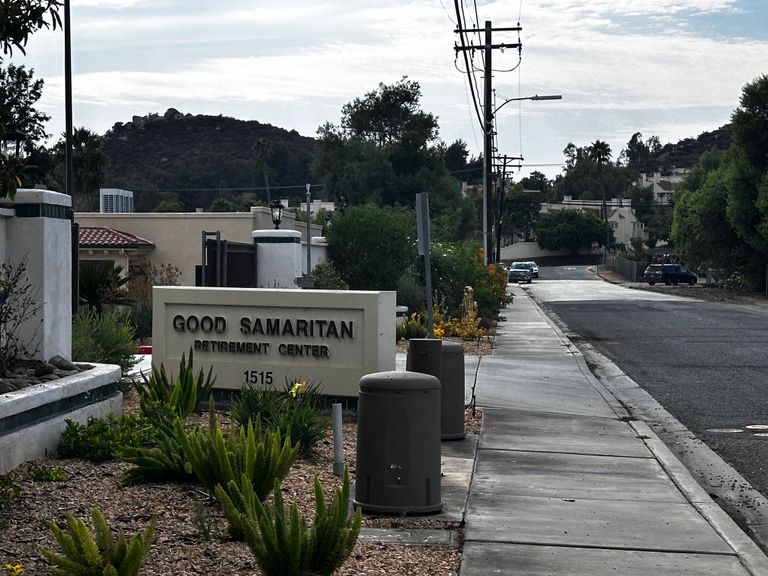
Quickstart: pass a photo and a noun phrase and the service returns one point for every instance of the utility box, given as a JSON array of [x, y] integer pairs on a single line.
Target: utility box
[[452, 392], [398, 444]]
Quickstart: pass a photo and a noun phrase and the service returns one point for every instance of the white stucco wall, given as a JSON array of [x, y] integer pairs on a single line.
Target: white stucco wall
[[45, 244]]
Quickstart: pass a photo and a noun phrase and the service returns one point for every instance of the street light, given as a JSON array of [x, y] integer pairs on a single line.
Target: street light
[[488, 210], [535, 97], [277, 213]]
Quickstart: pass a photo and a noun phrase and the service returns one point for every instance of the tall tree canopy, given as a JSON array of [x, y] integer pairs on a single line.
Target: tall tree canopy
[[89, 163], [18, 94], [386, 151], [571, 229], [721, 215], [589, 173]]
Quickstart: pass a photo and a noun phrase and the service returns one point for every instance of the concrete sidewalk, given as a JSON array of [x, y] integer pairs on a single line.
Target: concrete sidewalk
[[566, 484]]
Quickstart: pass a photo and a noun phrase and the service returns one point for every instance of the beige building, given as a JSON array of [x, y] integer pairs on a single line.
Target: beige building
[[177, 237]]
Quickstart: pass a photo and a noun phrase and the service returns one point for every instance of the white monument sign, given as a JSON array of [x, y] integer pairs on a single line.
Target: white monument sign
[[267, 337]]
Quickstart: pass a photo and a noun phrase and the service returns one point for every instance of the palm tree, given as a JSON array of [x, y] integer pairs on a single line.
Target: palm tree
[[600, 154], [89, 163]]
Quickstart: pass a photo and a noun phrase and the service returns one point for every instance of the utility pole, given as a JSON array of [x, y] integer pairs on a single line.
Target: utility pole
[[487, 151], [487, 124]]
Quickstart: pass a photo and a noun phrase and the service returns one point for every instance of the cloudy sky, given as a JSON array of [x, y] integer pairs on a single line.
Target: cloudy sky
[[672, 68]]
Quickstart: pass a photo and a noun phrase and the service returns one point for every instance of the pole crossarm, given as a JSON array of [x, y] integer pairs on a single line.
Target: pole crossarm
[[487, 47]]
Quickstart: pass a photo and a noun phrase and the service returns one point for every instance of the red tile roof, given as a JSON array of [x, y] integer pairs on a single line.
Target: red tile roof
[[101, 237]]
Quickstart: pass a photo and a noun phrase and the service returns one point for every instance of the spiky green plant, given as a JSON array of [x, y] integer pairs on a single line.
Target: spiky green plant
[[159, 397], [216, 459], [86, 554], [284, 545], [162, 463]]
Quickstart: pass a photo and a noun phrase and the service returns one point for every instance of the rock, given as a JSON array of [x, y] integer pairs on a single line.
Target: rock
[[44, 368], [83, 367], [6, 386], [21, 383], [65, 373], [62, 363], [48, 377]]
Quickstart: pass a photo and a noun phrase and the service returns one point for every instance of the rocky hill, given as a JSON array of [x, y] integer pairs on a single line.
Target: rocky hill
[[194, 160], [686, 152]]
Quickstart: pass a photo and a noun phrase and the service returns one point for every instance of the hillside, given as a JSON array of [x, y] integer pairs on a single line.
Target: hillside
[[193, 160], [686, 152]]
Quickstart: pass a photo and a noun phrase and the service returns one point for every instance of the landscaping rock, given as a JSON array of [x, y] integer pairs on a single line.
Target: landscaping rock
[[62, 363], [44, 368], [6, 386]]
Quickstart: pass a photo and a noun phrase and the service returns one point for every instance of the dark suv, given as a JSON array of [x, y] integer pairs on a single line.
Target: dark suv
[[669, 274]]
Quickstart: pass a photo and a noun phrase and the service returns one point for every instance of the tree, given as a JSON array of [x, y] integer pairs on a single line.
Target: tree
[[521, 211], [384, 152], [538, 181], [89, 163], [641, 156], [370, 247], [21, 18], [571, 229], [18, 94], [390, 115]]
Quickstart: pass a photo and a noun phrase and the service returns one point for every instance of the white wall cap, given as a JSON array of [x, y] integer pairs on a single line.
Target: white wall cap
[[276, 234], [32, 195]]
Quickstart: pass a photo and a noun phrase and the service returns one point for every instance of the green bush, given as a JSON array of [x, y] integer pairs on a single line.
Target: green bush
[[107, 338], [160, 398], [45, 473], [242, 456], [410, 327], [283, 544], [295, 412], [102, 554], [164, 462], [326, 277], [104, 438], [140, 316]]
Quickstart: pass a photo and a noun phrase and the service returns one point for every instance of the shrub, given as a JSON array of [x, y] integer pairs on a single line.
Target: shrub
[[85, 553], [326, 277], [140, 316], [107, 338], [295, 411], [242, 456], [101, 284], [104, 438], [45, 473], [284, 545], [164, 462], [411, 327], [159, 398]]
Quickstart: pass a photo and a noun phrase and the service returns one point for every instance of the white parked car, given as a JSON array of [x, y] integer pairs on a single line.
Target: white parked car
[[534, 268]]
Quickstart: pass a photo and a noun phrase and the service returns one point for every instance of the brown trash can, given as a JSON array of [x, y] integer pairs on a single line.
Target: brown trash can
[[398, 444], [452, 392], [425, 356]]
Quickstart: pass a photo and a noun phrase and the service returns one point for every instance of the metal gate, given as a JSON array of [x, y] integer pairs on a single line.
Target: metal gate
[[225, 263]]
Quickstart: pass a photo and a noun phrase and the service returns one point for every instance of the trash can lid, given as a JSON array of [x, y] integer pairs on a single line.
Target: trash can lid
[[399, 381], [452, 349]]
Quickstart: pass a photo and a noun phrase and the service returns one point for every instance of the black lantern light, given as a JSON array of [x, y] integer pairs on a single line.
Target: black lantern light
[[277, 213]]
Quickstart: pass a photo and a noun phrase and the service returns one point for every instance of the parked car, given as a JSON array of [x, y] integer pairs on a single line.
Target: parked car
[[520, 272], [534, 268], [669, 274]]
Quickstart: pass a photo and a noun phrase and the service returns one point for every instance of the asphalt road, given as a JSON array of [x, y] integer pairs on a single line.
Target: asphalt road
[[705, 362]]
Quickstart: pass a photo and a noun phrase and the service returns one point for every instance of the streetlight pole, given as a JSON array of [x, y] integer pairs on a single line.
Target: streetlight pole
[[309, 230]]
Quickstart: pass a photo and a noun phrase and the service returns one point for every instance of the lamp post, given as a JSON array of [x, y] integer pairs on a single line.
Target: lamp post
[[488, 153], [13, 141], [277, 212]]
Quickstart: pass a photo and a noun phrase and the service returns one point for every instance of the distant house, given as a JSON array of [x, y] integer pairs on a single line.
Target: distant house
[[662, 184], [621, 216]]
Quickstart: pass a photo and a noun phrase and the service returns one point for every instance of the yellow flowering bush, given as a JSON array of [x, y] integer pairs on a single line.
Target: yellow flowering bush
[[14, 570]]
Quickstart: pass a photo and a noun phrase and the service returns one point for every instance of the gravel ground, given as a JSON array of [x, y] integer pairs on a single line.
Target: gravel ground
[[191, 532]]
